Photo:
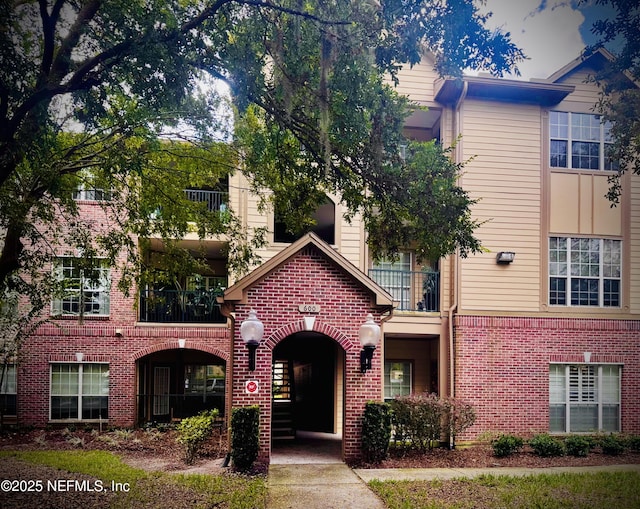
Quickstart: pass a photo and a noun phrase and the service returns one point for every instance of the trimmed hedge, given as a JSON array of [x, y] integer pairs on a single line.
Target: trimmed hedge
[[545, 445], [578, 445], [420, 421], [506, 445], [245, 443], [376, 431]]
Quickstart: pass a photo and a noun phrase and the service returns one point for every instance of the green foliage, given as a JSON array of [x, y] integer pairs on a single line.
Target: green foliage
[[619, 101], [505, 445], [633, 442], [194, 431], [149, 489], [578, 445], [612, 444], [545, 445], [376, 431], [107, 95], [567, 490], [420, 420], [245, 422]]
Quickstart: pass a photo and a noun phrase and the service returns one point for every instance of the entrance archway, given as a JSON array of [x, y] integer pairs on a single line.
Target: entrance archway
[[308, 388]]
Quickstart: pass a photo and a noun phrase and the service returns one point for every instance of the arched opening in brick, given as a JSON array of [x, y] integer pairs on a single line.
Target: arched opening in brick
[[176, 383], [308, 388]]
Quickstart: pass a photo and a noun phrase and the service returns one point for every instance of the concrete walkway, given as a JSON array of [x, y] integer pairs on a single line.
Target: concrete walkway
[[318, 486], [308, 473], [336, 486]]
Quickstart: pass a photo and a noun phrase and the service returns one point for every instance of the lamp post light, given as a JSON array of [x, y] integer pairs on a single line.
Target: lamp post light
[[369, 339], [251, 331]]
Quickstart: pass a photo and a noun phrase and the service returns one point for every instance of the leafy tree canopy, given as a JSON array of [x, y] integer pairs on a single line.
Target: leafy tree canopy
[[110, 91], [619, 78]]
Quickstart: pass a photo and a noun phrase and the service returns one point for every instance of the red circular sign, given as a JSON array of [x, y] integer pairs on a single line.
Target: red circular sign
[[251, 387]]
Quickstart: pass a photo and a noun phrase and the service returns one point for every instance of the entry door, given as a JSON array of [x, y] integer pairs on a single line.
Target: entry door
[[161, 385]]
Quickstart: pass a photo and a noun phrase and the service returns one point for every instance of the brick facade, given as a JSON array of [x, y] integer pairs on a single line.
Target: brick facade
[[502, 366], [98, 342], [307, 278]]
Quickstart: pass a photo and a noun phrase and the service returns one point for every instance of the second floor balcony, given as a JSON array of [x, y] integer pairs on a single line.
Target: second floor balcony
[[413, 290], [180, 306], [214, 200]]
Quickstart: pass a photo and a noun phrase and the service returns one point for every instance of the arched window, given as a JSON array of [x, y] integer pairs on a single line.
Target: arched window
[[325, 225]]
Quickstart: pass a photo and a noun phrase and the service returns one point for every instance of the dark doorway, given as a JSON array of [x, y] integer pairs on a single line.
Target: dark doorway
[[305, 373]]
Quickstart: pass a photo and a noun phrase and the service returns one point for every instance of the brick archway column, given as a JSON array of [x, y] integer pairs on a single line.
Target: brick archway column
[[359, 387]]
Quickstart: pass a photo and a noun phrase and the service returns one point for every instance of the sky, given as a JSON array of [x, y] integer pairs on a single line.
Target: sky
[[551, 32]]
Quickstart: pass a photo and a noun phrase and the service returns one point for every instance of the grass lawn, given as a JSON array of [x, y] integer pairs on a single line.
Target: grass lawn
[[149, 489], [615, 490]]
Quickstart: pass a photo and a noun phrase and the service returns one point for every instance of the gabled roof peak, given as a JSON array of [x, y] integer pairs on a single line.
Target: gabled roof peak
[[236, 293]]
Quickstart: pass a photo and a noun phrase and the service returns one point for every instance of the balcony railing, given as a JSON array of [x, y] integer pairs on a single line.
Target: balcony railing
[[413, 290], [177, 406], [215, 200], [175, 306]]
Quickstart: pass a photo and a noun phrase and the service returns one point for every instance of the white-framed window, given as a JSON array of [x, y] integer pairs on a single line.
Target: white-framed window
[[79, 391], [91, 194], [395, 278], [580, 141], [398, 377], [584, 398], [585, 272], [83, 289], [8, 390]]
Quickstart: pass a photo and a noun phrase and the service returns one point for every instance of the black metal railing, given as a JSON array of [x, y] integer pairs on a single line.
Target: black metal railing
[[164, 407], [215, 200], [413, 290], [180, 306]]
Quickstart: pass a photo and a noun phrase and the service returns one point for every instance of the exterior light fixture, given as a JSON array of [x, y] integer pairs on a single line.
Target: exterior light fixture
[[251, 331], [505, 257], [369, 339]]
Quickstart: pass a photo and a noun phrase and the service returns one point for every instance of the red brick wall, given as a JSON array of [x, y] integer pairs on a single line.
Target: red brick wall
[[98, 342], [307, 278], [502, 366]]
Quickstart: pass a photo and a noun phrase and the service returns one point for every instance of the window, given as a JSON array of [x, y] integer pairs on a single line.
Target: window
[[397, 379], [584, 398], [91, 194], [585, 272], [8, 389], [79, 391], [86, 289], [580, 141], [203, 379], [395, 278]]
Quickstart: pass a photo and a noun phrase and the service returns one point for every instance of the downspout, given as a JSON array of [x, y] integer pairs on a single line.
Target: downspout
[[457, 122]]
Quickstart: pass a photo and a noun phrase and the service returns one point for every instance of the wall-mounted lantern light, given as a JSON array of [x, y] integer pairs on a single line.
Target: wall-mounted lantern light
[[369, 339], [505, 257], [251, 331]]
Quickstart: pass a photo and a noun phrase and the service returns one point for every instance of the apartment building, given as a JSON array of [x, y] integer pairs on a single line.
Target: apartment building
[[540, 332]]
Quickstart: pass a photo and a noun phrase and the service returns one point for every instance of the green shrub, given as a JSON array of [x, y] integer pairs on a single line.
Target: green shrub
[[194, 431], [578, 445], [245, 425], [633, 442], [505, 445], [612, 444], [546, 445], [376, 431]]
